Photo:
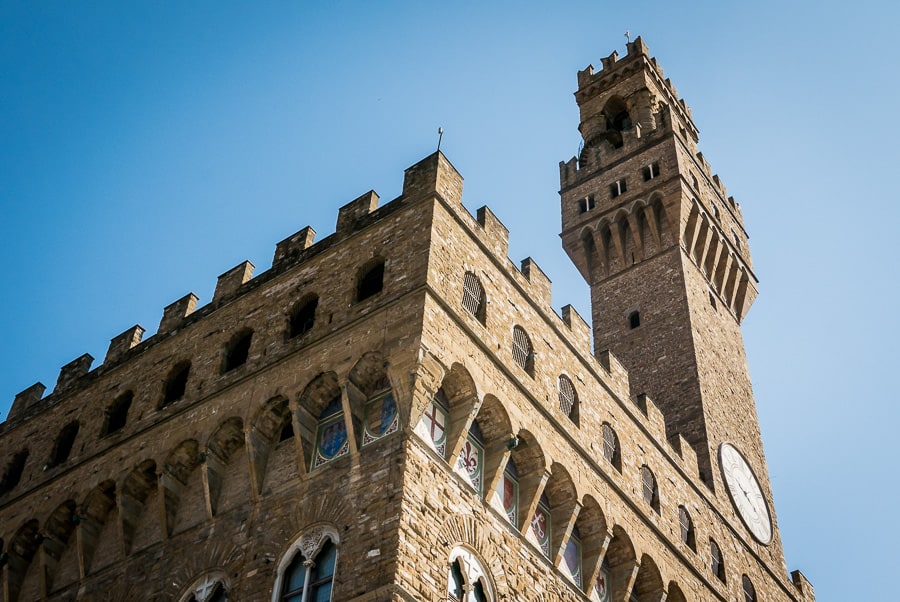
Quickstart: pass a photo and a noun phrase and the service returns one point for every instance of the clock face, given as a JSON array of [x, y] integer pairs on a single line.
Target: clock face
[[745, 493]]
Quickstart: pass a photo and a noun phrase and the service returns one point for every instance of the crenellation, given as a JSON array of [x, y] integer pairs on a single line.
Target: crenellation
[[580, 329], [175, 313], [656, 422], [121, 344], [540, 287], [71, 373], [618, 375], [685, 453], [290, 248], [228, 283], [350, 214], [496, 235], [434, 174], [25, 399]]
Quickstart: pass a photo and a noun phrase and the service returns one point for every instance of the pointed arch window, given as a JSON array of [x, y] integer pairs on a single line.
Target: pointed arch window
[[467, 580], [611, 446], [117, 413], [506, 498], [539, 530], [211, 588], [473, 296], [308, 576], [470, 462], [749, 590], [237, 351], [435, 421], [13, 472], [304, 316], [63, 446], [331, 434], [572, 557], [370, 280], [176, 383], [568, 398], [522, 351], [687, 528], [650, 488], [716, 562]]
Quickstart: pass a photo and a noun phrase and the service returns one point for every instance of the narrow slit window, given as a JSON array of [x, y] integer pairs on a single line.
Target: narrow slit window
[[634, 320], [64, 443]]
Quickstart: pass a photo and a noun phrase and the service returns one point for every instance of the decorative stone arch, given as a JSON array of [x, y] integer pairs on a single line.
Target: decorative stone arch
[[224, 461], [499, 440], [272, 428], [22, 548], [214, 560], [592, 255], [12, 472], [565, 506], [674, 593], [137, 487], [622, 564], [459, 532], [98, 508], [309, 543], [57, 536], [618, 120], [472, 571], [606, 244], [460, 393], [372, 399], [648, 585], [533, 464], [205, 586], [322, 393], [177, 476], [595, 538]]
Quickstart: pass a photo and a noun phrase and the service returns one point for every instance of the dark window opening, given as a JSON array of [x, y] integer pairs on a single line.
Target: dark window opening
[[287, 431], [522, 351], [618, 187], [304, 317], [117, 413], [634, 320], [13, 473], [650, 490], [371, 282], [474, 299], [749, 590], [63, 446], [176, 384], [238, 351], [586, 204], [712, 300], [315, 586], [717, 564], [651, 171], [611, 447], [687, 528]]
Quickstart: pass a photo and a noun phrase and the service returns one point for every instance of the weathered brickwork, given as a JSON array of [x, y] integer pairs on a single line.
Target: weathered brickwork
[[370, 394]]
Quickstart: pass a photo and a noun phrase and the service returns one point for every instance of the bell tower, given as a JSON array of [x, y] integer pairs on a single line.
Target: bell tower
[[664, 250]]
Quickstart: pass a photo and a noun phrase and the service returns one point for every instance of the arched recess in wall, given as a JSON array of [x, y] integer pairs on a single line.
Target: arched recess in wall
[[531, 462], [448, 417], [592, 530], [324, 433], [185, 500], [499, 439], [563, 497], [619, 564], [374, 409], [60, 547], [675, 593], [648, 584], [273, 445], [23, 547], [12, 473], [228, 471], [99, 534], [140, 499]]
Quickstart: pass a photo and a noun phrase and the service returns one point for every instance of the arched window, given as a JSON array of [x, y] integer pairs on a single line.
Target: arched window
[[568, 399], [649, 488], [331, 434], [572, 557], [473, 296], [382, 417], [749, 590], [210, 588], [506, 498], [176, 383], [117, 413], [611, 446], [303, 317], [370, 280], [467, 580], [306, 572], [539, 530], [237, 351], [634, 320], [63, 446], [522, 351], [470, 463], [687, 528], [13, 472], [716, 562], [435, 422]]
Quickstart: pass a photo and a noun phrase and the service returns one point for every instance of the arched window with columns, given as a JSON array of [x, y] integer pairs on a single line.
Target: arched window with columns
[[306, 571], [467, 580], [211, 587]]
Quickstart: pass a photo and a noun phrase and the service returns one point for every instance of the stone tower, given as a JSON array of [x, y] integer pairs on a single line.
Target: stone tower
[[397, 413], [663, 247]]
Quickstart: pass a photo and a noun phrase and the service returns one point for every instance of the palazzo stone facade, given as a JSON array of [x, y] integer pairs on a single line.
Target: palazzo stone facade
[[396, 412]]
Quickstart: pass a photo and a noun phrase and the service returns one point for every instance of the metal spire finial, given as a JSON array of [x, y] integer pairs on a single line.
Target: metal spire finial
[[440, 135], [627, 36]]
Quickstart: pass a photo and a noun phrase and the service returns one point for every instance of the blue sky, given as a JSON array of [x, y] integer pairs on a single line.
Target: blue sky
[[147, 148]]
